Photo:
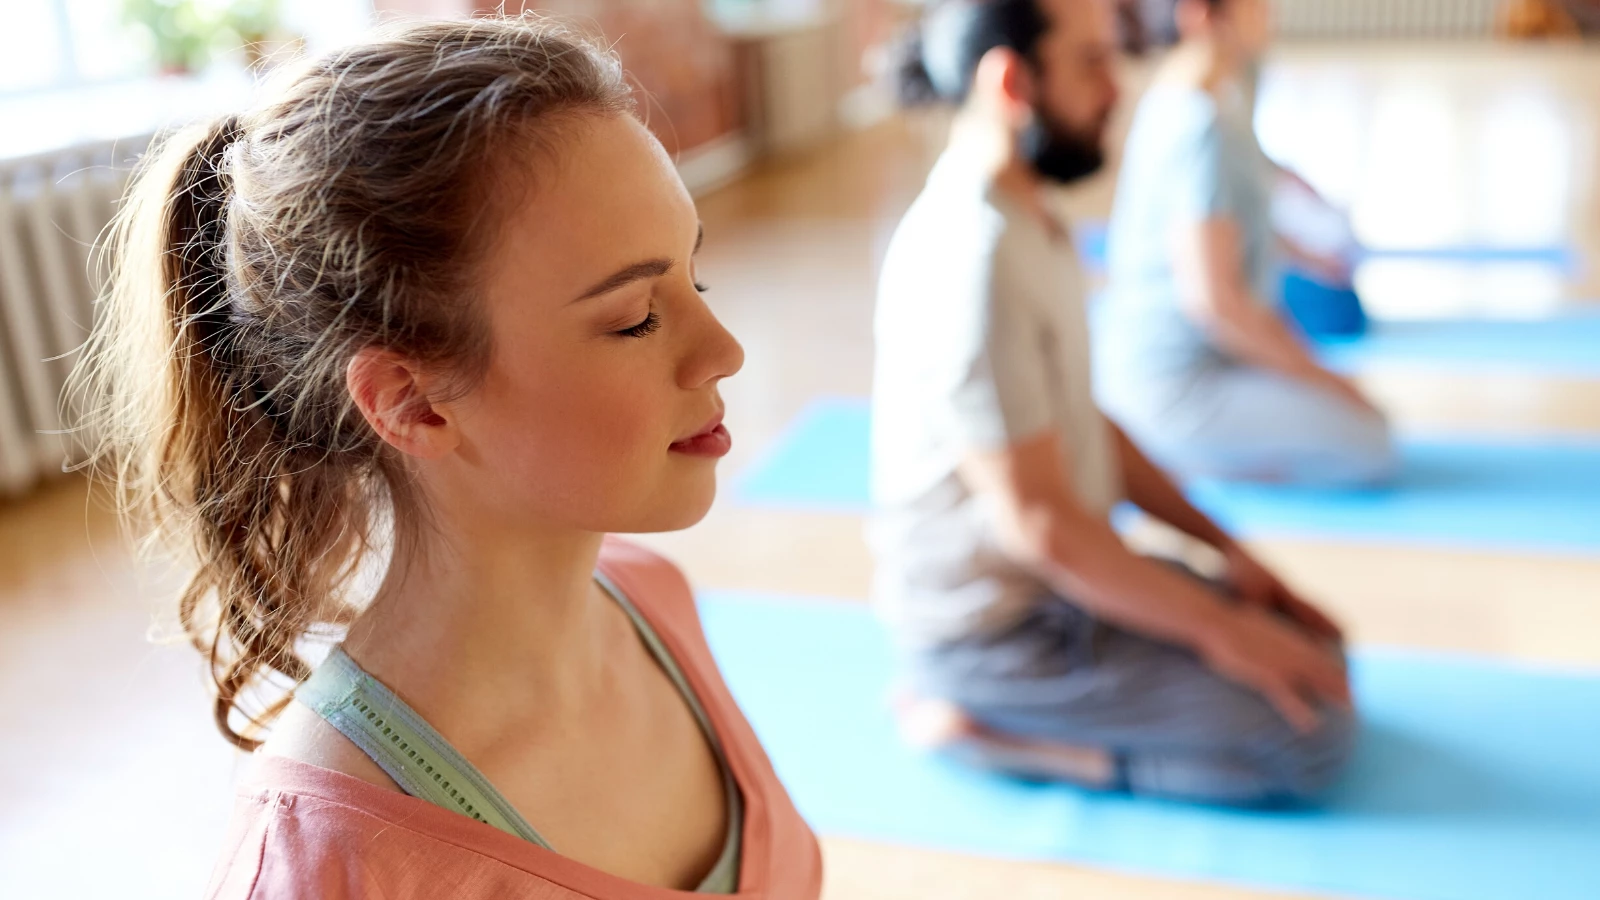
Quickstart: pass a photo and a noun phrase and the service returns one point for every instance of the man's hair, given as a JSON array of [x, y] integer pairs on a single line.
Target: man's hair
[[940, 55]]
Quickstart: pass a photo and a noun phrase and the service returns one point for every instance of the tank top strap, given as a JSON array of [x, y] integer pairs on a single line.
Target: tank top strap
[[405, 746]]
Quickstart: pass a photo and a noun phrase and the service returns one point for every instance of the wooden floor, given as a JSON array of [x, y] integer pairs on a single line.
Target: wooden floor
[[105, 734]]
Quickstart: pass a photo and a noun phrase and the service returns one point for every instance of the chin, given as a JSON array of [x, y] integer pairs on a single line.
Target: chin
[[679, 508]]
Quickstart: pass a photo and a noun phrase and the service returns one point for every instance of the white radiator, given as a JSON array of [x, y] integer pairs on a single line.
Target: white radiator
[[52, 208], [1342, 19]]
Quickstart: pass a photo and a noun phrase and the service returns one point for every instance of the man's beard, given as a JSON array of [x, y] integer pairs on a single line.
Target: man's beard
[[1059, 154]]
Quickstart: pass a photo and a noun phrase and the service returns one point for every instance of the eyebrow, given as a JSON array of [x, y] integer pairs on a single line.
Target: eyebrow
[[650, 268]]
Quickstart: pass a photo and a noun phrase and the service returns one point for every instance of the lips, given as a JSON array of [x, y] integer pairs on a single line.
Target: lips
[[712, 441]]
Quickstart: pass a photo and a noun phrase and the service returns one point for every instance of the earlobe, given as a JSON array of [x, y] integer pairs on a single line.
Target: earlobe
[[392, 396]]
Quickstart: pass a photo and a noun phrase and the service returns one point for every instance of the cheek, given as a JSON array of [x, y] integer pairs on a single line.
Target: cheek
[[580, 442], [1072, 102]]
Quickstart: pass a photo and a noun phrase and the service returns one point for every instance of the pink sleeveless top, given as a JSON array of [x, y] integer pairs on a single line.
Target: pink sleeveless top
[[302, 832]]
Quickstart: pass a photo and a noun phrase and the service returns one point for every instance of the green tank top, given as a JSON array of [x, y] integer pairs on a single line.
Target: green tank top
[[426, 766]]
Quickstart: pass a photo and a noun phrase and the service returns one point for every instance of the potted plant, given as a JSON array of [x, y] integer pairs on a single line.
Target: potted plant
[[185, 35], [180, 32]]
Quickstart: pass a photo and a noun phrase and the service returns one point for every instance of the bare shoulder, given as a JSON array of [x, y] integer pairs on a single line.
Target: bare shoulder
[[303, 736]]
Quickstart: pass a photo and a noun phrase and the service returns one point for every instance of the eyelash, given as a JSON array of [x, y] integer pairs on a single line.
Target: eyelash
[[652, 322], [649, 326]]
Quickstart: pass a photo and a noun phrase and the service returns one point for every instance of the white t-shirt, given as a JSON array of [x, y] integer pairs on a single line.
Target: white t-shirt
[[982, 342]]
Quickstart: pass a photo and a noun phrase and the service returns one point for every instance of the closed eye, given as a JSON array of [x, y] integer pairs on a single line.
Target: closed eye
[[648, 326], [699, 241]]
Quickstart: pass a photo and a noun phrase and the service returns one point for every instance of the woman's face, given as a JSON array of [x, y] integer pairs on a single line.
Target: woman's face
[[600, 408]]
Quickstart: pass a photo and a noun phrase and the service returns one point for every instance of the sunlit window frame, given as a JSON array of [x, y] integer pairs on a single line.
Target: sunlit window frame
[[68, 73]]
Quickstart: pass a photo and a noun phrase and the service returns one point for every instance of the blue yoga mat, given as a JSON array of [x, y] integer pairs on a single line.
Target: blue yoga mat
[[1559, 255], [1559, 345], [1565, 344], [1507, 495], [1473, 781], [1090, 236]]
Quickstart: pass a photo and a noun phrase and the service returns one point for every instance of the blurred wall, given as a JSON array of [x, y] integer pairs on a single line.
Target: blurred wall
[[671, 50], [870, 24]]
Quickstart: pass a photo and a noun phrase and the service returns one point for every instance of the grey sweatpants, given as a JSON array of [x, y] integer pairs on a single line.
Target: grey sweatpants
[[1175, 728]]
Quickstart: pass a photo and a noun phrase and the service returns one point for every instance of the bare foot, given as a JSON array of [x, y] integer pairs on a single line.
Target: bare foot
[[938, 725], [931, 724]]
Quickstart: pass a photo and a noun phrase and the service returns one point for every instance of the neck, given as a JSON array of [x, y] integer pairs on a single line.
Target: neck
[[996, 151], [488, 620], [1204, 63]]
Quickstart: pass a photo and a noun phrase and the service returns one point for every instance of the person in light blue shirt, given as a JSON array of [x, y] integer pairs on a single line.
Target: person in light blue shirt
[[1194, 357]]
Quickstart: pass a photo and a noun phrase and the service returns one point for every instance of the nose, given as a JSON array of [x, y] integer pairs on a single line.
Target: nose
[[713, 352]]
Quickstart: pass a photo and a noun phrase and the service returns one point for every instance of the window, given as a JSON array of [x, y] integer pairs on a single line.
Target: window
[[50, 44], [58, 43]]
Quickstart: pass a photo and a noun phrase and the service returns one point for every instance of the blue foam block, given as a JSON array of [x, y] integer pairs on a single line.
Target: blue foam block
[[1323, 311], [1506, 495], [1559, 345], [1473, 781]]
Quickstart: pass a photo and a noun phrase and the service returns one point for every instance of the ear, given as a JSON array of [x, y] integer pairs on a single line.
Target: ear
[[1006, 80], [392, 394]]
